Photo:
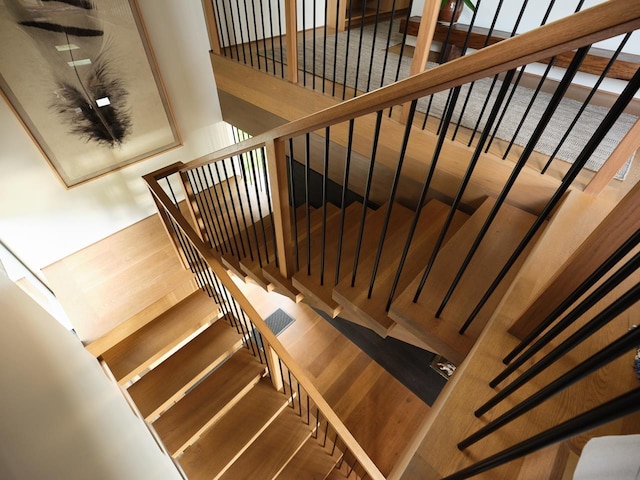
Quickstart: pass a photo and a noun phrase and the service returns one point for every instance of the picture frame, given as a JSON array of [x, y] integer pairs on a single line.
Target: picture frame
[[82, 79]]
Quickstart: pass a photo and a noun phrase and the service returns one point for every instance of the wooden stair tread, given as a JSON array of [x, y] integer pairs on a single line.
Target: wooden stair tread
[[283, 285], [504, 235], [428, 228], [233, 433], [310, 285], [271, 451], [311, 462], [138, 351], [166, 383], [208, 401], [264, 252]]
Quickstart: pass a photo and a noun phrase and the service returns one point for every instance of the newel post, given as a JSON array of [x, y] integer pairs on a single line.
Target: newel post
[[278, 182], [426, 31], [273, 362], [291, 21], [212, 26]]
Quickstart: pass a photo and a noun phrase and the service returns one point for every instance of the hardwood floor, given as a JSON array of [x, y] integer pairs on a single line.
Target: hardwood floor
[[132, 271], [381, 413]]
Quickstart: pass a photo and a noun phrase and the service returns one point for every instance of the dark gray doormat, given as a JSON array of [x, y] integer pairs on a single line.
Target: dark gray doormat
[[277, 322], [408, 364]]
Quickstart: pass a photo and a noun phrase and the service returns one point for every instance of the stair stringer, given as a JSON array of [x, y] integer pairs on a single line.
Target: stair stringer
[[433, 452]]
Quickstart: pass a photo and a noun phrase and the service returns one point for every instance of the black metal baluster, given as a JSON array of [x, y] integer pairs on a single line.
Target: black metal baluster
[[614, 113], [226, 26], [273, 45], [423, 194], [346, 54], [524, 157], [246, 16], [255, 31], [367, 192], [605, 356], [516, 83], [280, 39], [324, 45], [290, 387], [463, 52], [495, 78], [211, 208], [335, 50], [294, 209], [304, 45], [584, 105], [465, 181], [307, 173], [364, 11], [616, 308], [255, 184], [392, 194], [226, 207], [284, 384], [607, 412], [267, 190], [325, 177], [253, 222], [404, 41], [299, 400], [204, 215], [313, 47], [470, 91], [231, 236], [264, 39], [343, 204], [598, 294], [244, 53], [386, 50], [373, 45], [241, 203], [591, 280], [533, 99]]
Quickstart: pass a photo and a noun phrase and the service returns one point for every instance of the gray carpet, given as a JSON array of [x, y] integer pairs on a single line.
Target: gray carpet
[[387, 67]]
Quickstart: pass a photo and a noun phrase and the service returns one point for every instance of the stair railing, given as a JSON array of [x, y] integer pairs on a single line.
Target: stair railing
[[352, 121], [213, 278]]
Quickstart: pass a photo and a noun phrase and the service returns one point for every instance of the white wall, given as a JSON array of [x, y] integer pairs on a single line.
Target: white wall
[[61, 418], [43, 222]]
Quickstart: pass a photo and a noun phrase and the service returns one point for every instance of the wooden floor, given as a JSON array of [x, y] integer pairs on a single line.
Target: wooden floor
[[133, 271]]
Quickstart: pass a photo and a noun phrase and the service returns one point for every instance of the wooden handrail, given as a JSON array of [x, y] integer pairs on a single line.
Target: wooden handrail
[[213, 261], [583, 28]]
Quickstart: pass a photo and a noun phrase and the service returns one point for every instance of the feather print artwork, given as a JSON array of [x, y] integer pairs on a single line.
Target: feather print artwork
[[89, 96]]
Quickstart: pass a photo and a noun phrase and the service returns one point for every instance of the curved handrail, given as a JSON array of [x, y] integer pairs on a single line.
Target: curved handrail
[[268, 336], [597, 23]]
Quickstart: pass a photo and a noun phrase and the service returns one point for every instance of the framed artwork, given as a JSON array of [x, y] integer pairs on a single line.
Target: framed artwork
[[82, 78]]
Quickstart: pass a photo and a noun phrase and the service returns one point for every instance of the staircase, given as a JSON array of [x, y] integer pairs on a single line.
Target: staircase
[[326, 283], [195, 379]]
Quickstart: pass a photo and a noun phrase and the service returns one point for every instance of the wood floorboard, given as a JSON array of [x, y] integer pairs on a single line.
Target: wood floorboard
[[351, 381]]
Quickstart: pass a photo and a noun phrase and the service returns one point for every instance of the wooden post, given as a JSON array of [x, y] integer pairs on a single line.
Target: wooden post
[[423, 43], [274, 367], [612, 232], [212, 26], [278, 182], [627, 146], [291, 21], [334, 15]]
